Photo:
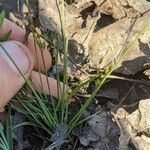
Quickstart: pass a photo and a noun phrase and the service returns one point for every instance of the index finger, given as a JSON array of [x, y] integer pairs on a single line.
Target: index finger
[[18, 34]]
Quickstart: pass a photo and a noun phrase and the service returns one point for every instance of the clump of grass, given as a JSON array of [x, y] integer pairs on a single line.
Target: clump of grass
[[53, 116]]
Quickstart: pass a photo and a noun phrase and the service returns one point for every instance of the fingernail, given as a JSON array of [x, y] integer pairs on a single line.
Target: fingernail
[[17, 54]]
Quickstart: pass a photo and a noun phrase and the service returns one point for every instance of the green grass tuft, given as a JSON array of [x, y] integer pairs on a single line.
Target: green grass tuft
[[42, 110]]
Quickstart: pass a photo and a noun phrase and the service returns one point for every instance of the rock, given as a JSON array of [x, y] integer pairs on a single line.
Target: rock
[[139, 52], [49, 15], [107, 43], [135, 126], [141, 6], [88, 135], [80, 3], [142, 142], [139, 119], [147, 73], [114, 9], [100, 133]]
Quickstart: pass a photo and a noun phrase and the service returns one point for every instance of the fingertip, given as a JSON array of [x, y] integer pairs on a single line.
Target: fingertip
[[16, 55], [14, 69], [18, 34]]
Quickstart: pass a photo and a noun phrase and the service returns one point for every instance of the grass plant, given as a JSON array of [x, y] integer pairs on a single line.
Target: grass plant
[[53, 115]]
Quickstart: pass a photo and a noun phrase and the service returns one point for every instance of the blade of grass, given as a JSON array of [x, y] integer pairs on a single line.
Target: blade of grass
[[76, 118], [3, 146], [2, 17], [87, 118], [61, 17], [9, 130], [79, 87], [65, 82], [6, 36], [39, 70], [49, 89], [25, 124], [36, 119], [37, 42], [3, 140]]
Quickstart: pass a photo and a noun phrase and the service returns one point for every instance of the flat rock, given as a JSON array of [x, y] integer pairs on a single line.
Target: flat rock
[[139, 5], [107, 43], [101, 133], [135, 126]]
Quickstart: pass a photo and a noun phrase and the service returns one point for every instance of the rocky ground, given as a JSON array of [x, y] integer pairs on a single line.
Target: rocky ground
[[98, 31]]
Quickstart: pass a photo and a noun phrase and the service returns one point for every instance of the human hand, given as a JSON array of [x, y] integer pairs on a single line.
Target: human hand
[[24, 56]]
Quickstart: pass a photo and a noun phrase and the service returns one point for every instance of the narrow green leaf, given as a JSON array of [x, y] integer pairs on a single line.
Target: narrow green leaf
[[2, 17], [3, 140], [24, 124], [6, 36], [9, 130], [3, 146]]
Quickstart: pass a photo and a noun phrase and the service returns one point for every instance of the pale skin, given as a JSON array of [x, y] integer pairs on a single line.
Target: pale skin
[[25, 58]]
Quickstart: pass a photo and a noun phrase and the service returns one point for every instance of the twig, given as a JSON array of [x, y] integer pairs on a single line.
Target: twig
[[129, 79], [123, 99], [87, 118]]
